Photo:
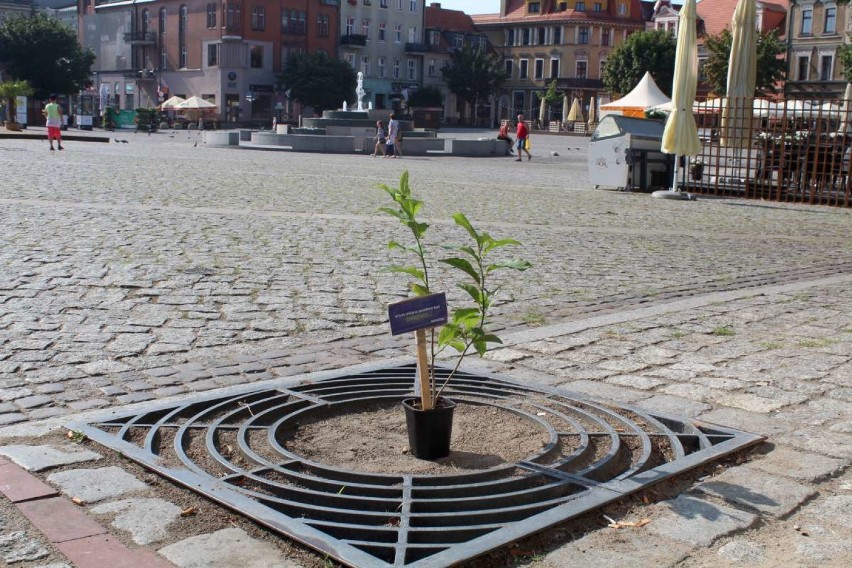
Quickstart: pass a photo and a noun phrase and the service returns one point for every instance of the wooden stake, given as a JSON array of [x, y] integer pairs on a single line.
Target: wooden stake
[[423, 370]]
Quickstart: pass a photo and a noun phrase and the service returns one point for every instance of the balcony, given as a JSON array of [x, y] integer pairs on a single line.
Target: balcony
[[140, 74], [353, 40], [140, 38], [579, 83], [412, 47]]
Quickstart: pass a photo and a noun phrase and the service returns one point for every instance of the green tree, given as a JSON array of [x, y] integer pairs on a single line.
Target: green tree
[[770, 69], [473, 75], [426, 97], [317, 80], [551, 96], [46, 54], [844, 56], [641, 52]]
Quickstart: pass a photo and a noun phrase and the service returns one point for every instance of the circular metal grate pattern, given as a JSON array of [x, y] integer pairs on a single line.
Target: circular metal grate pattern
[[230, 448]]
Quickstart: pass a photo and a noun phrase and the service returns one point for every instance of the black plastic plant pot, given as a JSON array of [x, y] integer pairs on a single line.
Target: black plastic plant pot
[[429, 431]]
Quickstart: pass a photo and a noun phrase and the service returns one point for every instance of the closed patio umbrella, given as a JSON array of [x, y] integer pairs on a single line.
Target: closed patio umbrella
[[542, 114], [742, 75], [592, 113], [680, 136], [846, 109], [576, 113]]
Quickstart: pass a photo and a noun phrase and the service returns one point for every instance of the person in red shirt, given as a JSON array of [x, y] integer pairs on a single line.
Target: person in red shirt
[[521, 136]]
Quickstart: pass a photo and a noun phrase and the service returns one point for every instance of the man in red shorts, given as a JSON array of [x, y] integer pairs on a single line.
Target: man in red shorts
[[53, 114], [521, 137]]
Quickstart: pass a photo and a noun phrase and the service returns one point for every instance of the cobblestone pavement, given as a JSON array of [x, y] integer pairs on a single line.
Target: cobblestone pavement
[[157, 268]]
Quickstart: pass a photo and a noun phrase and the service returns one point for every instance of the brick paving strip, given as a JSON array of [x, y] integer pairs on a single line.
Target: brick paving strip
[[81, 539]]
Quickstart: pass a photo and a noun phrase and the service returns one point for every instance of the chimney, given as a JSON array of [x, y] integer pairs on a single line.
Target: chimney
[[435, 5], [502, 7]]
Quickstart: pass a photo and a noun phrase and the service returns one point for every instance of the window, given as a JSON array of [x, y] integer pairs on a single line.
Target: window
[[302, 27], [554, 68], [538, 71], [162, 20], [433, 69], [256, 57], [285, 21], [183, 58], [605, 36], [622, 9], [258, 18], [510, 36], [481, 42], [365, 65], [211, 16], [397, 33], [399, 5], [146, 21], [212, 54], [365, 28], [580, 6], [184, 16], [807, 21], [412, 35], [826, 67], [598, 7], [583, 35], [603, 65], [831, 20], [534, 7], [367, 2], [322, 25], [396, 66], [522, 72], [581, 69], [383, 31], [557, 35], [803, 64], [434, 37], [350, 26], [458, 40], [412, 6], [541, 33], [164, 58], [412, 70], [380, 65], [232, 16], [383, 3], [350, 59], [525, 36], [507, 66], [563, 6]]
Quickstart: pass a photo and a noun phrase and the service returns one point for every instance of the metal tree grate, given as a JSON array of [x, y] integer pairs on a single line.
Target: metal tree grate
[[228, 448]]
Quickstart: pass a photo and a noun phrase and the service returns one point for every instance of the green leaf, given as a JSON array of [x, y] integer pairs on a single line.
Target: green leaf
[[467, 317], [393, 213], [419, 289], [463, 265], [448, 333], [462, 221], [480, 346], [473, 291], [410, 270], [513, 264], [501, 243], [492, 339]]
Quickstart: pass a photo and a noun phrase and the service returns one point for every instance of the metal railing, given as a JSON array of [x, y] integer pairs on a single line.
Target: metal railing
[[786, 151]]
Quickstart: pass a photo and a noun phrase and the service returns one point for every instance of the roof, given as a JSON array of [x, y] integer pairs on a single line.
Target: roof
[[716, 15], [454, 20], [644, 95], [516, 12]]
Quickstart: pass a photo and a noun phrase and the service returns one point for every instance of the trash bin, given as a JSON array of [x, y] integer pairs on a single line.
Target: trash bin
[[624, 153]]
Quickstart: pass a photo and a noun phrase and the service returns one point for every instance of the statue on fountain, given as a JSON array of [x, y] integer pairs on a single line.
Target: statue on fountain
[[360, 92]]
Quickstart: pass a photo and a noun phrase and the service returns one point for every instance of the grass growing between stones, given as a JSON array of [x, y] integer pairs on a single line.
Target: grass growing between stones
[[724, 331]]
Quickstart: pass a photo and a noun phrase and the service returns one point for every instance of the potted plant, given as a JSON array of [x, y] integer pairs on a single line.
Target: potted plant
[[429, 416], [696, 169], [10, 91]]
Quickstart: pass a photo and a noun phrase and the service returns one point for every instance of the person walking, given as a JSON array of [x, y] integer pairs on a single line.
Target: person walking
[[521, 136], [380, 139], [53, 113], [393, 136]]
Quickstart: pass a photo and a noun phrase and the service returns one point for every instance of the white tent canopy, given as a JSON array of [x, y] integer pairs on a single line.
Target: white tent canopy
[[643, 96]]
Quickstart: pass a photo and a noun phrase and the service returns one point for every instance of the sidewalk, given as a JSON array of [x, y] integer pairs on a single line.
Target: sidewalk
[[774, 360]]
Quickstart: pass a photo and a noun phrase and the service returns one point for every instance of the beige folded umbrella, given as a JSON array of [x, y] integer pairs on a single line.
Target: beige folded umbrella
[[576, 113], [737, 110], [592, 113]]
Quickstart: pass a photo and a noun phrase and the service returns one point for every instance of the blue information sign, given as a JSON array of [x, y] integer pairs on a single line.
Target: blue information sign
[[422, 312]]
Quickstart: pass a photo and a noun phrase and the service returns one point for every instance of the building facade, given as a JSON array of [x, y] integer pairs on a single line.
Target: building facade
[[448, 30], [817, 30], [227, 52], [567, 41], [383, 39], [11, 8]]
